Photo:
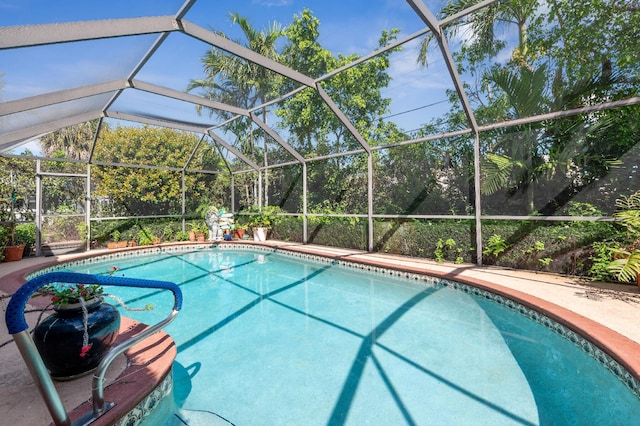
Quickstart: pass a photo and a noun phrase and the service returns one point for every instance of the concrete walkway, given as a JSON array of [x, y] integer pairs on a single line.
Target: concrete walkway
[[616, 307]]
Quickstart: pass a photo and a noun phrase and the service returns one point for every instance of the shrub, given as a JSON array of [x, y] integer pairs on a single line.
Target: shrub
[[495, 245], [26, 234], [182, 236]]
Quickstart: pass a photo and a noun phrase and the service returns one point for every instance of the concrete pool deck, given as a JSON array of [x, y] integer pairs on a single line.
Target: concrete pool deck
[[606, 312]]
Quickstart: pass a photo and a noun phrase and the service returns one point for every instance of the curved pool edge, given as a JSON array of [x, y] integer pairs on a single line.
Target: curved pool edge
[[617, 346], [620, 348]]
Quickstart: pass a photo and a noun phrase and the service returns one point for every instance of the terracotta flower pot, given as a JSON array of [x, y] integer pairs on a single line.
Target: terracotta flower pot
[[116, 244], [13, 253], [238, 233]]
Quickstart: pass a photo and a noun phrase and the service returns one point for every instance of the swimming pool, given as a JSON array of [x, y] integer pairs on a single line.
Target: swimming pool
[[265, 338]]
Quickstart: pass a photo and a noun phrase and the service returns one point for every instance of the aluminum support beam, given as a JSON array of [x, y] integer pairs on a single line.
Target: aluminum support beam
[[430, 20], [343, 118], [95, 140], [229, 46], [184, 200], [478, 197], [468, 11], [305, 221], [38, 209], [43, 34], [276, 137], [193, 153], [88, 206], [11, 139], [186, 97], [235, 152], [157, 122], [370, 198], [33, 102], [186, 6]]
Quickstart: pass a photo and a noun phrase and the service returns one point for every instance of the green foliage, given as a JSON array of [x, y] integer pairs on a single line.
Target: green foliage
[[70, 294], [601, 259], [264, 217], [356, 90], [4, 235], [182, 236], [146, 237], [495, 245], [81, 228], [536, 247], [626, 264], [545, 261], [133, 191], [627, 267], [575, 208], [199, 227], [438, 253], [629, 213], [25, 233], [169, 233], [446, 249], [62, 228], [129, 228]]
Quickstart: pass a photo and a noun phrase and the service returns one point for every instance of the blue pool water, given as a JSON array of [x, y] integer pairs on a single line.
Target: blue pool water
[[268, 339]]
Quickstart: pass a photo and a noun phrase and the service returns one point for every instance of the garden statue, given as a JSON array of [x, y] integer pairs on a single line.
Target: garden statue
[[211, 219], [219, 223]]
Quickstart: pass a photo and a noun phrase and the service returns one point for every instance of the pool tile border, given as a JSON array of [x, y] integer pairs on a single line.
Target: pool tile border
[[147, 405], [591, 349]]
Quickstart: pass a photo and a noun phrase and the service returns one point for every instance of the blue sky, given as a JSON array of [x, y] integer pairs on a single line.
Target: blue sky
[[352, 26]]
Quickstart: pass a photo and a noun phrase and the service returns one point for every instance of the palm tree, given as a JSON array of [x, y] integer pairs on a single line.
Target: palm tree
[[483, 24], [238, 82], [74, 141], [235, 81]]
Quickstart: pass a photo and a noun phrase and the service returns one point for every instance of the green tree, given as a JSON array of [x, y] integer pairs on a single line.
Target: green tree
[[73, 141], [235, 81], [17, 184], [315, 130], [135, 191], [564, 57]]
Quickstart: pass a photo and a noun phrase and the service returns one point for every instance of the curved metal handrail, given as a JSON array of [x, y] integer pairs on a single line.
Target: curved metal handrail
[[18, 328]]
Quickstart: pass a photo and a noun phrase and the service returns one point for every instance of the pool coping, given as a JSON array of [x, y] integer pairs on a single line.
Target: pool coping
[[615, 345]]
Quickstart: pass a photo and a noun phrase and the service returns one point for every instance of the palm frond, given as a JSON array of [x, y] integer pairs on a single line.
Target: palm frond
[[496, 170], [627, 268]]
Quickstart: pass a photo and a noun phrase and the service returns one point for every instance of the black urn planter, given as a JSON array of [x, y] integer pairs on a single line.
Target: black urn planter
[[59, 338]]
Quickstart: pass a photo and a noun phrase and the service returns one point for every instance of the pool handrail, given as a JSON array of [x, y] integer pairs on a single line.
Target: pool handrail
[[18, 328]]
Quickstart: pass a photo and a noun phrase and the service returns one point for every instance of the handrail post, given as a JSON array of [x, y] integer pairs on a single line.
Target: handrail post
[[41, 377], [98, 376], [18, 329]]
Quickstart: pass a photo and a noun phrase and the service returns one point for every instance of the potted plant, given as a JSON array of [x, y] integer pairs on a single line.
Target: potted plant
[[238, 231], [75, 338], [261, 219], [183, 236], [14, 250], [200, 228], [626, 264], [115, 240], [146, 237]]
